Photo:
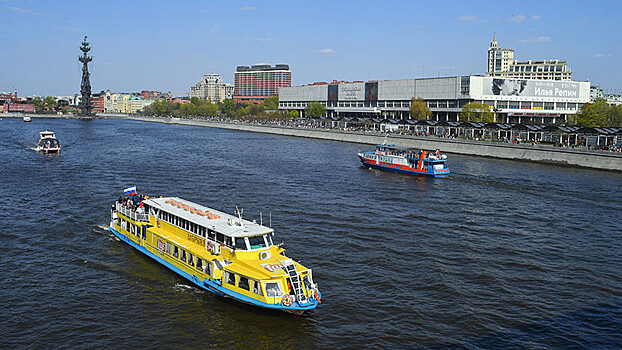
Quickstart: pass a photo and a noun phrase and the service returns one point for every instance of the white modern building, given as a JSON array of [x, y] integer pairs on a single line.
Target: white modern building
[[512, 100], [211, 88], [501, 63]]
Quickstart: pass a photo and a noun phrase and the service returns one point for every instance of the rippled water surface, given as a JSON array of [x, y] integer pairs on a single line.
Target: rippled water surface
[[500, 254]]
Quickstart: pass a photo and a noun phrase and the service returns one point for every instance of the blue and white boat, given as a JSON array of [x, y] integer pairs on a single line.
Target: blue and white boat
[[406, 161]]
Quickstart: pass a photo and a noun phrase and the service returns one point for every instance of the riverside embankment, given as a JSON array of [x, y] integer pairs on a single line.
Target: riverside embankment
[[537, 153]]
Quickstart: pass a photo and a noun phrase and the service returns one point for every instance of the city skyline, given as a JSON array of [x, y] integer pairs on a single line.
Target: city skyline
[[156, 45]]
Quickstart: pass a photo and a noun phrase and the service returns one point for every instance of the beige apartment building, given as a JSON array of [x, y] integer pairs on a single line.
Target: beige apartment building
[[501, 63]]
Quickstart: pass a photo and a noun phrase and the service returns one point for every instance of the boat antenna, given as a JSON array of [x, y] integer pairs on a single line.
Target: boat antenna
[[270, 219], [260, 219], [239, 212]]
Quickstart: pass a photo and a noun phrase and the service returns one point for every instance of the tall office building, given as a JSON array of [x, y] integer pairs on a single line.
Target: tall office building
[[501, 63], [260, 81]]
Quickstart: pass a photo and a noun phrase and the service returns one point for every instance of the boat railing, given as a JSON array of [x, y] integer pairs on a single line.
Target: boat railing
[[132, 214]]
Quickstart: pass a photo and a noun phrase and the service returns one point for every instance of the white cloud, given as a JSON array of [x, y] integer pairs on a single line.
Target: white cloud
[[18, 9], [470, 18], [324, 50], [264, 39], [536, 17], [535, 39], [517, 18], [247, 8], [600, 55], [23, 10]]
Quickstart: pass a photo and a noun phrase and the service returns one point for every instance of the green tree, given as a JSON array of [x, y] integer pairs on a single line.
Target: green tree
[[615, 117], [227, 107], [256, 109], [271, 103], [39, 104], [594, 114], [159, 108], [188, 109], [315, 110], [293, 114], [212, 109], [477, 112], [147, 110], [50, 103], [195, 101], [419, 109]]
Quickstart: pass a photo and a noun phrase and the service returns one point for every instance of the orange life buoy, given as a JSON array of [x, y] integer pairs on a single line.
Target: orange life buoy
[[317, 296], [158, 222]]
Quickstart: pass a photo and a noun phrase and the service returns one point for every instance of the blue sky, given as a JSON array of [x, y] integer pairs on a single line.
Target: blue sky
[[169, 45]]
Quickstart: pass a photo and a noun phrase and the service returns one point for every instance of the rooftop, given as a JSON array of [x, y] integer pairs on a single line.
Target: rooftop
[[227, 224]]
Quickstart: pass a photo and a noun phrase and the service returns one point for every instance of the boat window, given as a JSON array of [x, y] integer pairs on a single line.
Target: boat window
[[240, 243], [257, 288], [229, 278], [257, 242], [175, 251], [208, 268], [307, 281], [273, 290], [243, 283], [211, 235], [199, 264], [168, 247], [191, 259], [183, 255], [229, 241], [220, 238]]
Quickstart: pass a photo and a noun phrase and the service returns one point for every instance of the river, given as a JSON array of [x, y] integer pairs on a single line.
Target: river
[[500, 254]]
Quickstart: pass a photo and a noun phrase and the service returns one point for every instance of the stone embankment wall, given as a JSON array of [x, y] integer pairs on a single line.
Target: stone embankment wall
[[537, 153]]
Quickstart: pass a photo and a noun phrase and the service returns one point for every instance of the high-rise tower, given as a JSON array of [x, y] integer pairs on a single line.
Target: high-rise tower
[[85, 87], [499, 60]]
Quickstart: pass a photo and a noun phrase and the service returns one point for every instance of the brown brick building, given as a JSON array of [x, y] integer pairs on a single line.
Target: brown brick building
[[260, 81]]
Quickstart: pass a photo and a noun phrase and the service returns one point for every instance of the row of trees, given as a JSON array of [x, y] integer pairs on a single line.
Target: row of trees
[[600, 114], [44, 104], [471, 112], [227, 108], [597, 114]]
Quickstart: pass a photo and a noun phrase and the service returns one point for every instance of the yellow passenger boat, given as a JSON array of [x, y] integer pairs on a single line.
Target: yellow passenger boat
[[218, 252]]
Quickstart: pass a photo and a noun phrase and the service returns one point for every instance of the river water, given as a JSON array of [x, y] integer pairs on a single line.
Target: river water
[[500, 254]]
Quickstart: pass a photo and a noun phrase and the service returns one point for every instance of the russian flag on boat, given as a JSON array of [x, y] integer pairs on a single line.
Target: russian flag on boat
[[130, 190]]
